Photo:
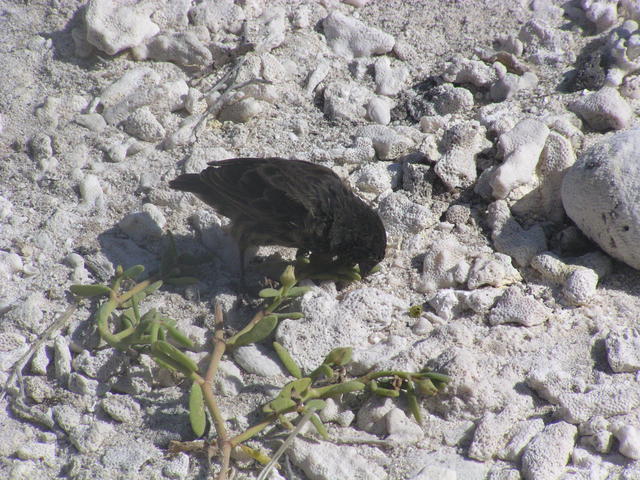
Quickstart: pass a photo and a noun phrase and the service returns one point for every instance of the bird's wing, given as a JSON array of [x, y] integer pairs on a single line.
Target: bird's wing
[[289, 191]]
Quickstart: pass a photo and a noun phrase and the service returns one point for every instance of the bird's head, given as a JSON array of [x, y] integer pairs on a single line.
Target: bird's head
[[360, 238]]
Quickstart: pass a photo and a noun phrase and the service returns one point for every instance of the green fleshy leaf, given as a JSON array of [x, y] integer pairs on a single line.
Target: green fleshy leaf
[[140, 296], [339, 356], [299, 386], [341, 388], [289, 315], [288, 277], [285, 422], [257, 455], [375, 269], [269, 293], [178, 336], [90, 290], [436, 377], [133, 272], [322, 371], [154, 332], [315, 419], [128, 319], [315, 404], [197, 414], [414, 406], [287, 360], [279, 405], [297, 291], [165, 362], [381, 391], [425, 387], [259, 332], [166, 350]]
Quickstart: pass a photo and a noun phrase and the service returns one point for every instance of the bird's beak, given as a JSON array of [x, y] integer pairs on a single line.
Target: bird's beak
[[366, 268]]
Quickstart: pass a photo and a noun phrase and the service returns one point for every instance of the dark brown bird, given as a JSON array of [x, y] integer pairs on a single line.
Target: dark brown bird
[[292, 203]]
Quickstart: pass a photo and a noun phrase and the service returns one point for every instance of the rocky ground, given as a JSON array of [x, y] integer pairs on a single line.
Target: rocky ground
[[497, 140]]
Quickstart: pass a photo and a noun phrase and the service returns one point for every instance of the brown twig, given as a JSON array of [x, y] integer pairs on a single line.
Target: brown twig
[[207, 389]]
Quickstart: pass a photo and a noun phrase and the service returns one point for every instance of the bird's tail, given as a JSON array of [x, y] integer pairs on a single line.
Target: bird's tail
[[189, 182]]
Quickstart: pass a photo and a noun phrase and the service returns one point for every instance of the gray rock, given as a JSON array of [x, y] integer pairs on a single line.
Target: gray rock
[[548, 452], [606, 401], [623, 349], [128, 458], [345, 100], [402, 216], [387, 142], [351, 38], [92, 121], [112, 27], [178, 467], [62, 359], [510, 238], [240, 111], [604, 110], [182, 48], [218, 16], [326, 461], [143, 125], [515, 307], [255, 359], [143, 225], [82, 385], [462, 143], [122, 408], [449, 99], [600, 194], [389, 81]]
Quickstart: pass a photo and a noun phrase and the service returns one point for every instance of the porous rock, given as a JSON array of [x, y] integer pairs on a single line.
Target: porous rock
[[351, 38], [604, 110], [623, 349], [141, 226], [326, 461], [579, 283], [605, 400], [182, 48], [401, 216], [345, 100], [389, 81], [600, 194], [510, 238], [143, 124], [515, 307], [115, 26], [387, 142], [629, 441], [462, 70], [521, 148], [462, 143], [548, 452]]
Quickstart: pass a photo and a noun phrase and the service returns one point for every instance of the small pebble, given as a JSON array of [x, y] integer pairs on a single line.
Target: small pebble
[[91, 192], [379, 110], [92, 121]]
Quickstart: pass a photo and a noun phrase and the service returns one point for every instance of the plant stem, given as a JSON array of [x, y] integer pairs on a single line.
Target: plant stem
[[256, 318], [207, 389], [251, 431]]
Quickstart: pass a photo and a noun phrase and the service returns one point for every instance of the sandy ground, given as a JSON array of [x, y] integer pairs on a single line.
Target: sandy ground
[[536, 390]]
